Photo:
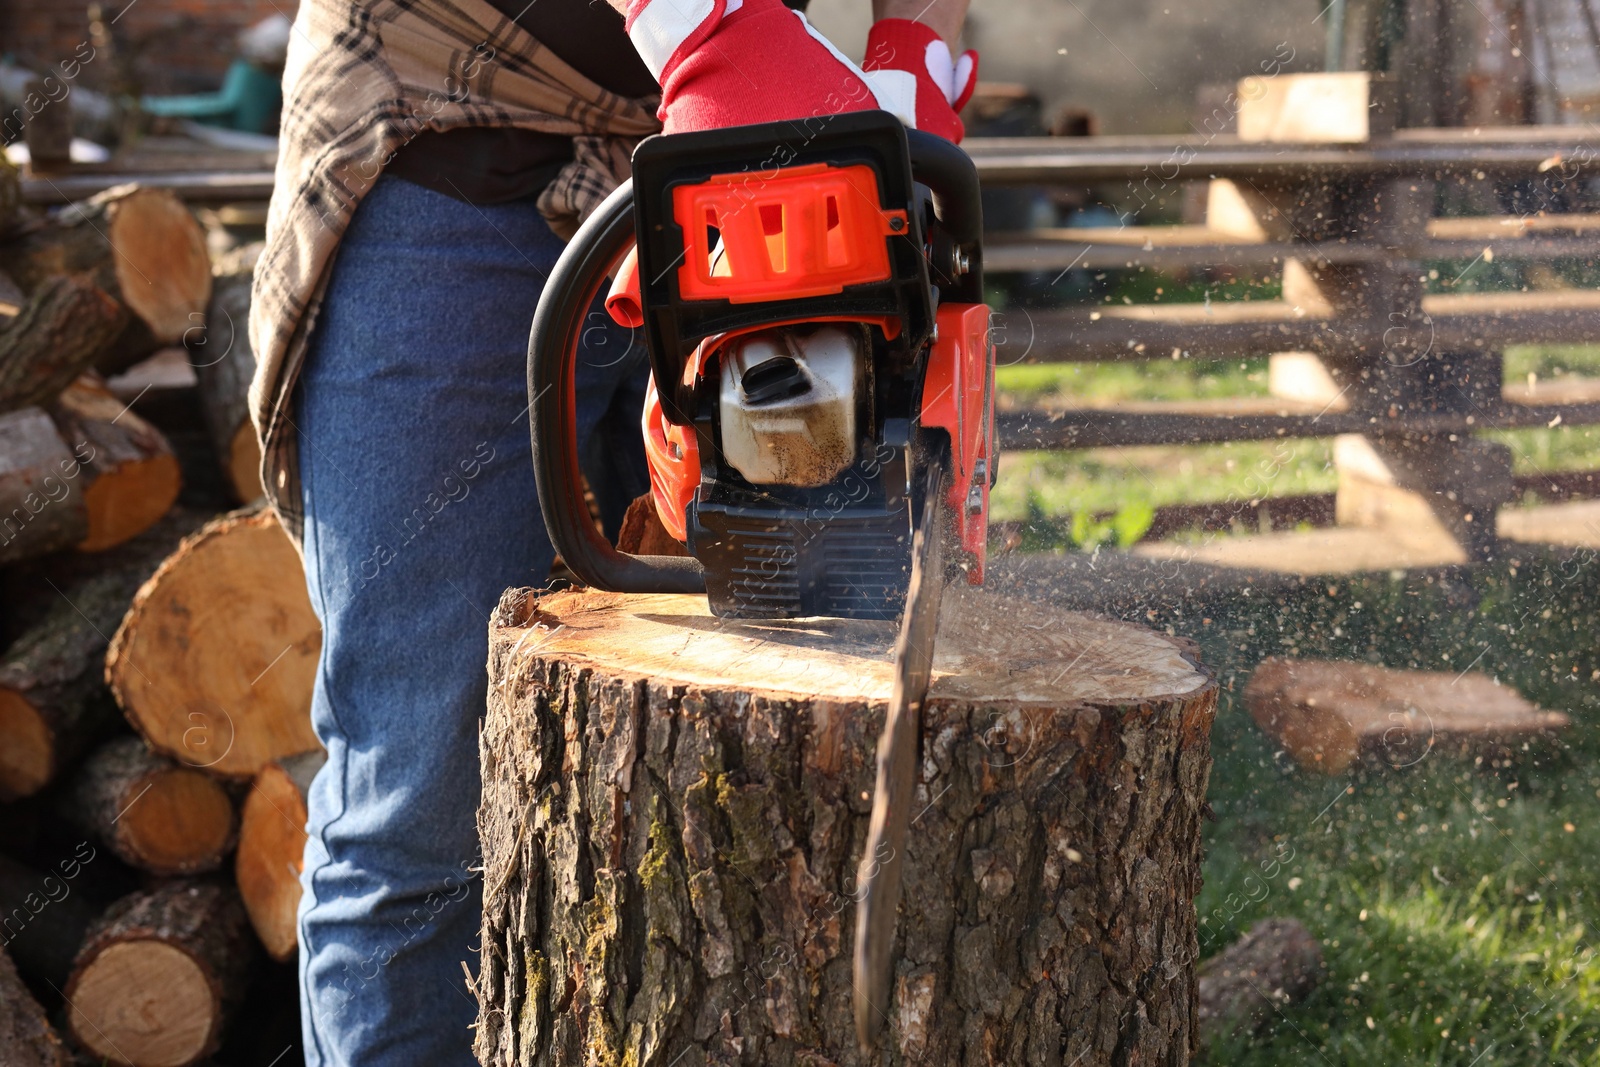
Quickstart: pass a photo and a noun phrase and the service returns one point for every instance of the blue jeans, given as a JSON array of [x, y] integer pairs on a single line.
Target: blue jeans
[[420, 509]]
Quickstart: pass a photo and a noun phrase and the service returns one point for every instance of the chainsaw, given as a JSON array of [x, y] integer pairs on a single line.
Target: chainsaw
[[819, 424]]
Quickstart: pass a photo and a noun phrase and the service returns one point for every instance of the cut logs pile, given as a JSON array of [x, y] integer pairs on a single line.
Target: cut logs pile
[[157, 650]]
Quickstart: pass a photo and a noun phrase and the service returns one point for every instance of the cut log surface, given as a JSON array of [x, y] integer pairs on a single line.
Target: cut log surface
[[26, 1037], [272, 842], [225, 364], [156, 815], [53, 699], [1276, 964], [1328, 713], [674, 806], [142, 247], [131, 477], [85, 474], [160, 974], [215, 661]]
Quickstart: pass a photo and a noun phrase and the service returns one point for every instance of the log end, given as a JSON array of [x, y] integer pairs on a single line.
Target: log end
[[272, 840], [27, 759], [243, 464], [187, 660], [180, 822], [143, 1002], [162, 265], [160, 973], [130, 499]]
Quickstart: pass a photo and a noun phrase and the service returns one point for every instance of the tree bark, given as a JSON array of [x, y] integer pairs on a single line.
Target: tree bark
[[53, 698], [142, 247], [160, 974], [85, 474], [215, 661], [26, 1037], [154, 814], [674, 806], [272, 843], [41, 501], [56, 335], [225, 364]]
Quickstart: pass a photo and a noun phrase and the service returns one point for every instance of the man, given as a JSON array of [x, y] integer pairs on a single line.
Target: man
[[434, 155]]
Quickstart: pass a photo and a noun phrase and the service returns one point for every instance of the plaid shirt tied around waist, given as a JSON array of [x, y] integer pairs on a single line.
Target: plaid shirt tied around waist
[[362, 79]]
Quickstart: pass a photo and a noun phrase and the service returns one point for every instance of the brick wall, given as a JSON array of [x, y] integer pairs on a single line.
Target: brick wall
[[176, 45]]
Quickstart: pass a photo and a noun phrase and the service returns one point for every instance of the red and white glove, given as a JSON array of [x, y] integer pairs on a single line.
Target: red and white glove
[[944, 83], [732, 62]]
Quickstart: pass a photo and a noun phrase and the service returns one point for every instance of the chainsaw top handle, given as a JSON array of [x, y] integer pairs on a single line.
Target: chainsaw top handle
[[595, 253]]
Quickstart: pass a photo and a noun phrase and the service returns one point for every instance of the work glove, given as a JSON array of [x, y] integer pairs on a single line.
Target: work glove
[[733, 62], [944, 83]]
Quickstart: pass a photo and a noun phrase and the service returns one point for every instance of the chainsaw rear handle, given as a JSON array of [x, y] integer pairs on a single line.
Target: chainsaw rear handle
[[949, 172], [558, 325]]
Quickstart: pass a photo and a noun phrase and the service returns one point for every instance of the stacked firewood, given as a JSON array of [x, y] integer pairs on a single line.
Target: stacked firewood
[[157, 649]]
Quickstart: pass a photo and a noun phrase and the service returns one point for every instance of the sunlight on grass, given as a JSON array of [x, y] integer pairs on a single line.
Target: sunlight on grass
[[1551, 361], [1108, 382], [1036, 484], [1454, 900], [1058, 484]]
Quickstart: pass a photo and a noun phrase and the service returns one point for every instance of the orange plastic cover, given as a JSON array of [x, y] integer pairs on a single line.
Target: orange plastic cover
[[673, 453], [623, 301], [806, 231]]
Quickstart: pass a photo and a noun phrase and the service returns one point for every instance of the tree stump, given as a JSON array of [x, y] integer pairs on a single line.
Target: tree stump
[[674, 806]]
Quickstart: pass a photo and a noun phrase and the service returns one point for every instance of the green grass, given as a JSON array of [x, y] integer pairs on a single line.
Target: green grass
[[1036, 485], [1051, 487], [1456, 902], [1155, 380], [1551, 361]]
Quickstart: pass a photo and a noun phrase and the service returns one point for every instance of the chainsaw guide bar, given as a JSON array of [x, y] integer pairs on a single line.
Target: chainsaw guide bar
[[878, 876]]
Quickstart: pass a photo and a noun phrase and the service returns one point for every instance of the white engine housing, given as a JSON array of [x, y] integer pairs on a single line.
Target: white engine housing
[[788, 402]]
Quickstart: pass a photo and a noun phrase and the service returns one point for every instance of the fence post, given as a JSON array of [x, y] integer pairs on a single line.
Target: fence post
[[1378, 357]]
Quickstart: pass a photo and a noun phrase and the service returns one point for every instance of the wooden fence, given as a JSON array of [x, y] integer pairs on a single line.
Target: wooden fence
[[1404, 379], [1345, 211]]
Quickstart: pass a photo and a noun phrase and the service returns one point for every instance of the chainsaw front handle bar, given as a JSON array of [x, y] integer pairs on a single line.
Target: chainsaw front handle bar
[[558, 325]]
